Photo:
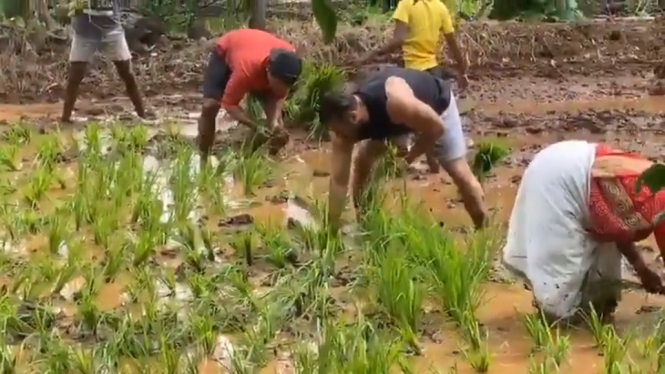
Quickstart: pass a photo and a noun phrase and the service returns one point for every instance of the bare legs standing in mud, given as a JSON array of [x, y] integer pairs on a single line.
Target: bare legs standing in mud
[[77, 70], [207, 125], [114, 45], [458, 169]]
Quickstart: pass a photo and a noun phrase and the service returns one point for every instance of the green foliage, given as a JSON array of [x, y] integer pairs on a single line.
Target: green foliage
[[177, 12], [9, 8], [535, 10], [488, 155], [326, 17], [316, 79], [653, 178]]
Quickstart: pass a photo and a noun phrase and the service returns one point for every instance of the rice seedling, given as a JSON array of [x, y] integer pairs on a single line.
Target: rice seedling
[[304, 101], [57, 358], [355, 349], [83, 360], [614, 351], [252, 170], [456, 276], [559, 347], [277, 243], [66, 273], [472, 331], [18, 134], [8, 360], [114, 262], [185, 194], [388, 166], [50, 151], [479, 359], [243, 244], [209, 184], [488, 155], [40, 182], [399, 294], [9, 158], [541, 367], [539, 330], [599, 330]]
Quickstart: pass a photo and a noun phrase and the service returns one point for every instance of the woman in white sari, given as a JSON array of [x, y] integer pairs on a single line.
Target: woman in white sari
[[577, 212]]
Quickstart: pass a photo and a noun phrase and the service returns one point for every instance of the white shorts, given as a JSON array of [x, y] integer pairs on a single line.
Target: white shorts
[[452, 145], [114, 47]]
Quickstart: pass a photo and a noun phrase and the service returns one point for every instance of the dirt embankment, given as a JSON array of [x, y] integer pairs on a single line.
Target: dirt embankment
[[496, 50]]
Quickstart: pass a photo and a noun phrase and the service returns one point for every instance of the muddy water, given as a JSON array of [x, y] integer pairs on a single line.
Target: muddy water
[[652, 104], [305, 174], [509, 341]]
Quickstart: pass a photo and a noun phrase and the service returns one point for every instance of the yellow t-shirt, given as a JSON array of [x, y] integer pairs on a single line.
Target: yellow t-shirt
[[427, 19]]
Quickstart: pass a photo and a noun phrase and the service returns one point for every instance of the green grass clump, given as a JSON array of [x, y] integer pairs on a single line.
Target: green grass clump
[[488, 155], [303, 104]]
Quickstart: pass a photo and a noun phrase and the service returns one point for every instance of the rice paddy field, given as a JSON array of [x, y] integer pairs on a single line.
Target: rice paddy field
[[120, 254]]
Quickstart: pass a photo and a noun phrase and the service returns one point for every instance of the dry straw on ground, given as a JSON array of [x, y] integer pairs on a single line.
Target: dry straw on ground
[[494, 49]]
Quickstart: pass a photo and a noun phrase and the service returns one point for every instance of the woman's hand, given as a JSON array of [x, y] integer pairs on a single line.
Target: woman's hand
[[651, 280]]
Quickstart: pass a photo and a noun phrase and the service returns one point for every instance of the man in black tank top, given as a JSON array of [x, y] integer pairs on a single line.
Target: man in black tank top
[[390, 104]]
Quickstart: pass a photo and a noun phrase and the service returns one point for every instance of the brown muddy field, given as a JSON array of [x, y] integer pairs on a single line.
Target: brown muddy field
[[532, 85]]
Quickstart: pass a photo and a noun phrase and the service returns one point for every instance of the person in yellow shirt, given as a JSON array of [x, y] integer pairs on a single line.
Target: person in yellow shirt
[[418, 28]]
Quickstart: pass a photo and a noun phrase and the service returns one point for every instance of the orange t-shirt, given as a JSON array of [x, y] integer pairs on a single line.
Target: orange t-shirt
[[246, 51]]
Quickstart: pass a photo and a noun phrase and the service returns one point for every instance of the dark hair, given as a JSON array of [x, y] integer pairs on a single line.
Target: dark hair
[[285, 65], [336, 106]]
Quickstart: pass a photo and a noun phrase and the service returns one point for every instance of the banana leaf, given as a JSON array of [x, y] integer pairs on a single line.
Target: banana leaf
[[326, 17]]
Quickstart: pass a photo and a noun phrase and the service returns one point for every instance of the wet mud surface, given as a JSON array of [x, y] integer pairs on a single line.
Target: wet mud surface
[[525, 96]]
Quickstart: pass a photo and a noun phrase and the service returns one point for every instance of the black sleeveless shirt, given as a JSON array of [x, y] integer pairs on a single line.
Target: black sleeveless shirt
[[429, 89]]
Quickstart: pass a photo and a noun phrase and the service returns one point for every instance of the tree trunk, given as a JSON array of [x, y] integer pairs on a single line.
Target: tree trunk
[[258, 18], [43, 15], [561, 6]]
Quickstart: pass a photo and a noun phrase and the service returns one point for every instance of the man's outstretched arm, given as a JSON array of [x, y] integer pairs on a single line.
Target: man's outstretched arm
[[235, 91], [451, 40], [342, 151], [400, 33]]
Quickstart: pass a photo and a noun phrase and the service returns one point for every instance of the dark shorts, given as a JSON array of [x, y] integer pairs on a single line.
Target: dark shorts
[[215, 77], [441, 72]]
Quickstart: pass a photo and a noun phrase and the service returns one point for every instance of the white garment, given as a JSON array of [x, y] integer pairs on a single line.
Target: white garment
[[547, 241], [452, 145]]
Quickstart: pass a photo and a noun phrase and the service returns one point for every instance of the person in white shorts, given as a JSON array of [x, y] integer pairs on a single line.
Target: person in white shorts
[[388, 105], [97, 28]]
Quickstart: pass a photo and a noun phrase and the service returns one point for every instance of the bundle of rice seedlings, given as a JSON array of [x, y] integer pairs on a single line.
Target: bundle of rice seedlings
[[489, 154], [304, 103]]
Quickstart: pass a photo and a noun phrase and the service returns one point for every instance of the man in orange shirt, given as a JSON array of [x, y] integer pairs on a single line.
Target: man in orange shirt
[[246, 61]]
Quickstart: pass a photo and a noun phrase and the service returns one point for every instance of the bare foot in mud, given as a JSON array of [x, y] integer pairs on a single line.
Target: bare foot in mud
[[149, 114], [433, 166], [66, 121]]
